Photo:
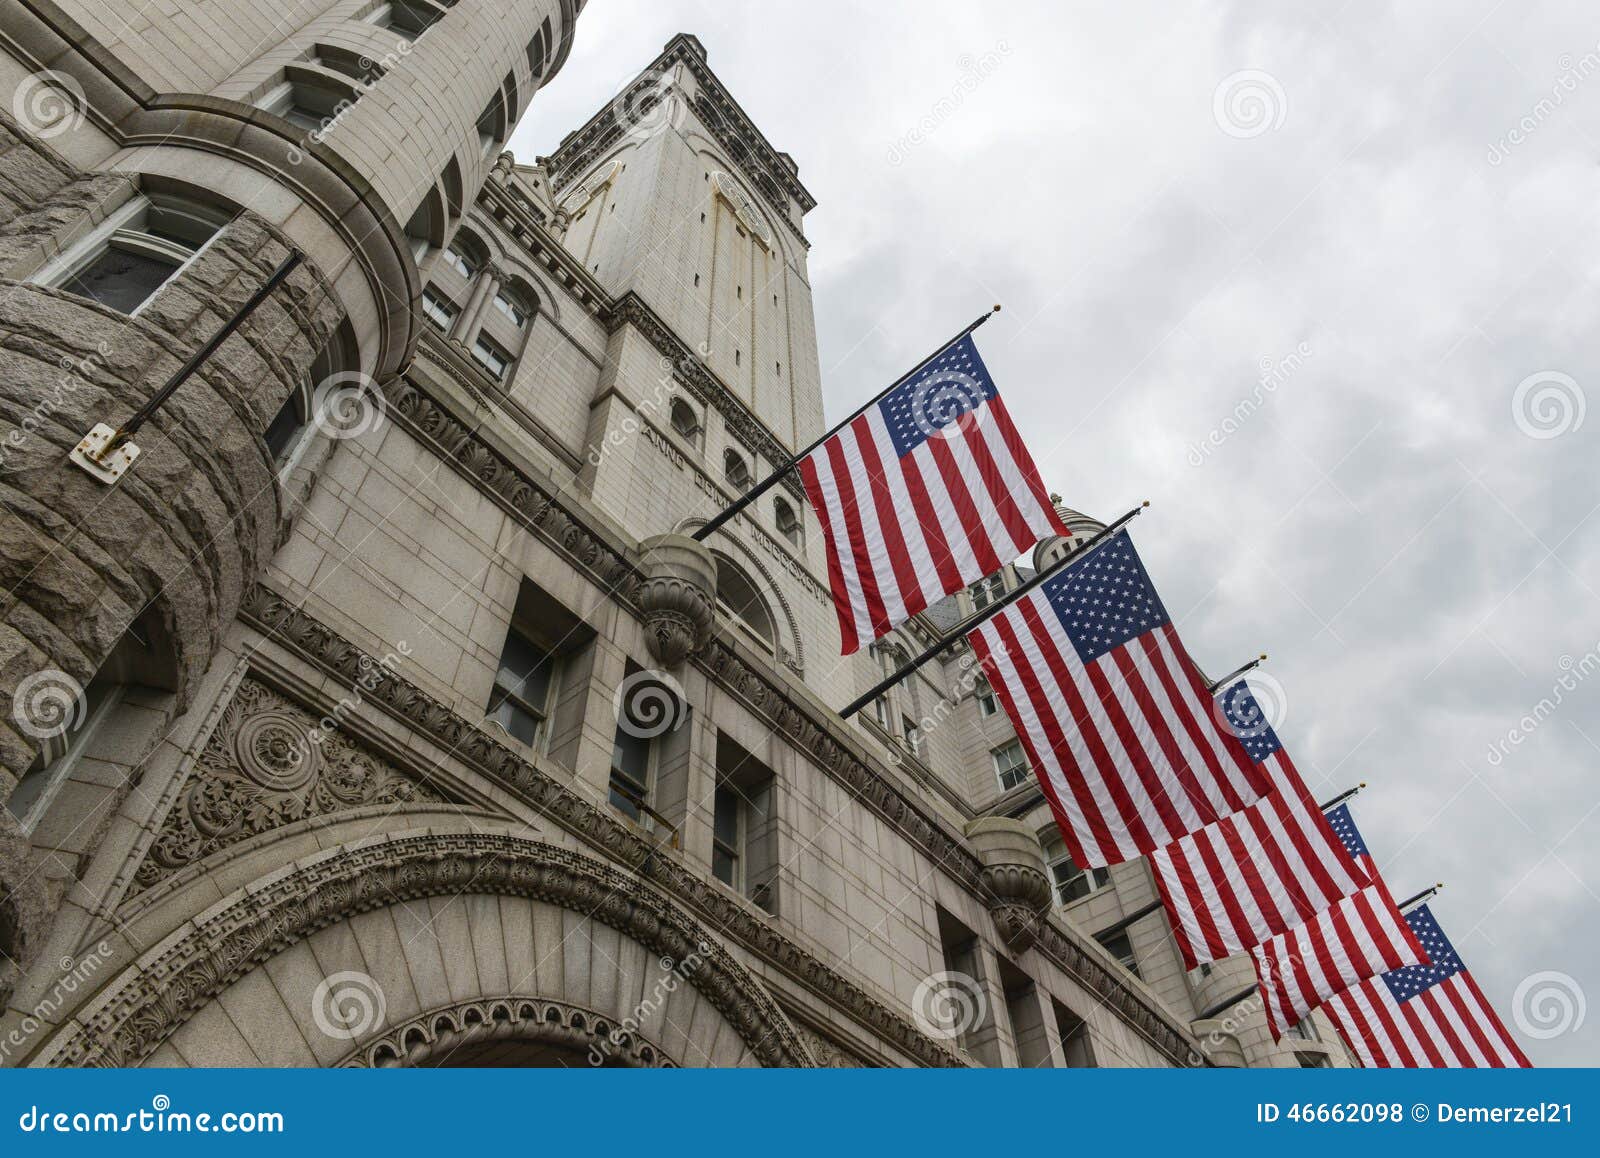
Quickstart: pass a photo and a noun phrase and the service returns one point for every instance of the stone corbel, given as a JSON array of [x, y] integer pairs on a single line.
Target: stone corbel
[[1017, 877], [678, 595]]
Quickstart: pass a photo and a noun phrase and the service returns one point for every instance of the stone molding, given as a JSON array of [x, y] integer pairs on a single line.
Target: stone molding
[[535, 1020], [267, 764], [146, 1003]]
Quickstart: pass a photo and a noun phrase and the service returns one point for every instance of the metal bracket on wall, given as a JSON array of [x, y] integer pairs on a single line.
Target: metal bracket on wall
[[102, 456]]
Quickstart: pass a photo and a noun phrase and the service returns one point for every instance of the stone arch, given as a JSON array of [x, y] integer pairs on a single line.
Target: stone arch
[[258, 975], [496, 1030], [791, 650]]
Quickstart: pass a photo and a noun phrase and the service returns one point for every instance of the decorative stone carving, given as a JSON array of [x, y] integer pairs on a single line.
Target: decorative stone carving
[[1015, 874], [678, 596], [147, 1001], [439, 1033], [829, 1054], [268, 763]]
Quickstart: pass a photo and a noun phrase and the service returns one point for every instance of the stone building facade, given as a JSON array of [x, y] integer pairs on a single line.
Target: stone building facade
[[384, 712]]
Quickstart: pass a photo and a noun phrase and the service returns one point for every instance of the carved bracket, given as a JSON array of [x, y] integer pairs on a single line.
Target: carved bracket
[[678, 597]]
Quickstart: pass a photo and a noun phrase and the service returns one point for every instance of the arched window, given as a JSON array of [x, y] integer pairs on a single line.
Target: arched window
[[740, 597], [788, 521], [685, 421], [735, 470]]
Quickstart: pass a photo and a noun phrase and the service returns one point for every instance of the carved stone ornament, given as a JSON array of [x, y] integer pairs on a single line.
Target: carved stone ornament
[[268, 763], [1015, 875], [148, 1000], [437, 1035], [678, 596]]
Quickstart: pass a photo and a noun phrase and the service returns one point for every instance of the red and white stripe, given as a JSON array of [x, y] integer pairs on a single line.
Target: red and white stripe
[[1356, 938], [1258, 872], [902, 533], [1448, 1025], [1127, 749]]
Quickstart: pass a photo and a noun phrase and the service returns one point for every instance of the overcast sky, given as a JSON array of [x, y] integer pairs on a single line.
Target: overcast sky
[[1393, 209]]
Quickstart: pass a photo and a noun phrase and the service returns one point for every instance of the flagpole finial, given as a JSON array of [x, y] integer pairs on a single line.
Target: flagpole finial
[[996, 309], [1146, 503], [1363, 784], [1263, 655]]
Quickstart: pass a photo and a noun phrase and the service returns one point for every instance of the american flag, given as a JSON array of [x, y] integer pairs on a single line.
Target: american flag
[[1424, 1016], [1351, 940], [1113, 714], [922, 494], [1260, 871]]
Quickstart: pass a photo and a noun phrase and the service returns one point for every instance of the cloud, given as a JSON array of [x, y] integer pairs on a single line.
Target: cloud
[[1415, 563]]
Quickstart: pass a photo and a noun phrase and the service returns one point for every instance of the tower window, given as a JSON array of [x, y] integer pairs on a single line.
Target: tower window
[[459, 261], [1120, 947], [787, 521], [735, 470], [684, 421], [513, 310], [987, 704]]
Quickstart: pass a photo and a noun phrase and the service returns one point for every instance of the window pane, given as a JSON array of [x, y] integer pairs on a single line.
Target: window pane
[[725, 816], [120, 279], [285, 429], [522, 725], [631, 755], [525, 670], [625, 796], [723, 865]]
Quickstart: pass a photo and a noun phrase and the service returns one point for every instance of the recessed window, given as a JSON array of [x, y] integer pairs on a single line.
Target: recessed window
[[987, 704], [630, 773], [1120, 947], [736, 470], [727, 843], [124, 262], [520, 701], [459, 261], [413, 16], [309, 100], [684, 420], [788, 521], [744, 830], [1010, 765], [650, 713], [438, 311], [1071, 882], [985, 591], [513, 310], [491, 357]]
